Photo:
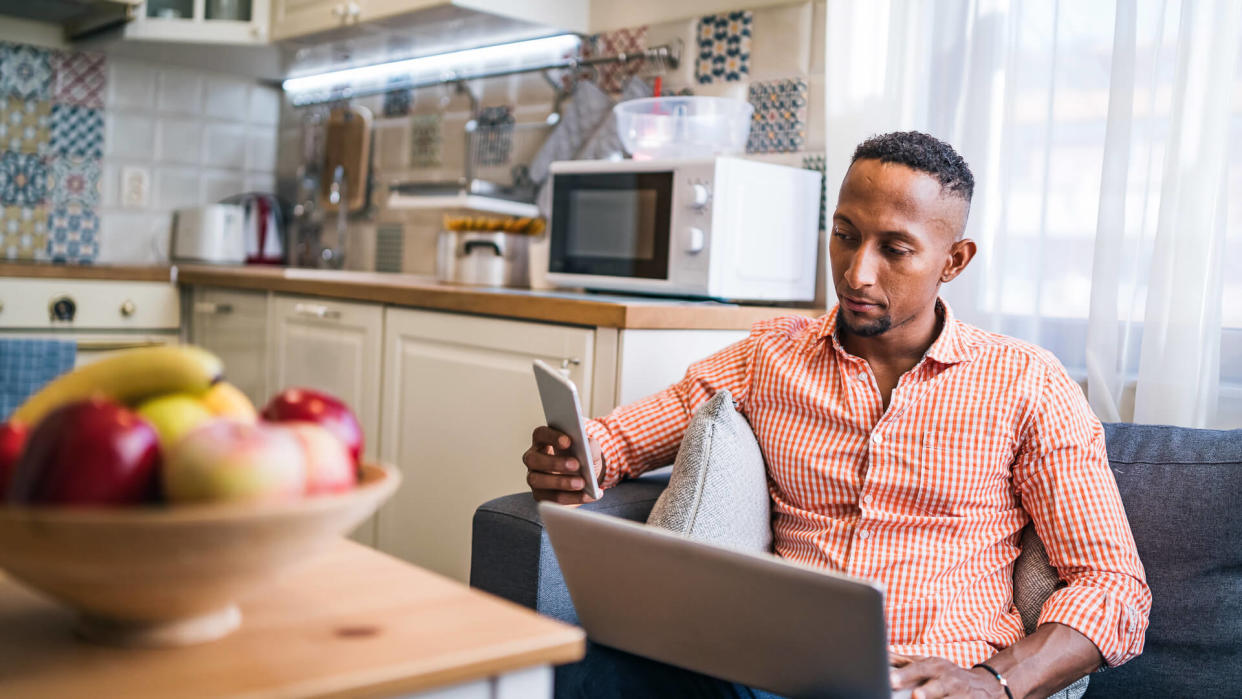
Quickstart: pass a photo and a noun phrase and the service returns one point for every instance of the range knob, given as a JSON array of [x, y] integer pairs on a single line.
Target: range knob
[[128, 308], [63, 309], [695, 239], [700, 195]]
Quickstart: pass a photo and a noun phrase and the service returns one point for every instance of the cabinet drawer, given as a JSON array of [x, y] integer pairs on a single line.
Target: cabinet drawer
[[92, 304]]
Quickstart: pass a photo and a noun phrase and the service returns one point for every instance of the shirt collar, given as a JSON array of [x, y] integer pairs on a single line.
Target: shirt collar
[[949, 348]]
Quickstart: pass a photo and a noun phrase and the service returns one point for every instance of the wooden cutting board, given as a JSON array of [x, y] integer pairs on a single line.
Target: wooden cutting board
[[347, 143], [351, 622]]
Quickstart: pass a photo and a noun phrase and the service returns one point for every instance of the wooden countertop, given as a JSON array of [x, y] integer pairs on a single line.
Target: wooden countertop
[[46, 270], [352, 622], [424, 292]]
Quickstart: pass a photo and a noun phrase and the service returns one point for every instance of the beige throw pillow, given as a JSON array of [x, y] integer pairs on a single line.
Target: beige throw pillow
[[718, 491]]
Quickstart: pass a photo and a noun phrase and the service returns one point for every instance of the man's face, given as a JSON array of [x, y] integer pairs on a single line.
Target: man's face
[[893, 241]]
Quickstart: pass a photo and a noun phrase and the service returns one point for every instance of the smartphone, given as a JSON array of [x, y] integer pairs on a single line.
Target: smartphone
[[563, 411]]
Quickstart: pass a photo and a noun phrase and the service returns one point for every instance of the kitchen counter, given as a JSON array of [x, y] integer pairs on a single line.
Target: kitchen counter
[[352, 622], [552, 306], [44, 270]]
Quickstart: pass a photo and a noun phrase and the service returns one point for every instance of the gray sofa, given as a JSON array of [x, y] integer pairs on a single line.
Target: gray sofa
[[1182, 490]]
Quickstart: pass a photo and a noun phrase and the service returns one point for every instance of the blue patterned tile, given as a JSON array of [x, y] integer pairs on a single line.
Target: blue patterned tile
[[77, 131], [397, 101], [23, 232], [778, 124], [23, 179], [25, 125], [426, 140], [724, 47], [75, 181], [73, 234], [25, 71]]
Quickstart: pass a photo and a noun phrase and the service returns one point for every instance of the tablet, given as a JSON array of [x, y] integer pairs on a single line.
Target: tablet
[[563, 411]]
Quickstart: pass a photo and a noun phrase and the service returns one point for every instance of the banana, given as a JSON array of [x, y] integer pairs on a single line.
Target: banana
[[127, 376]]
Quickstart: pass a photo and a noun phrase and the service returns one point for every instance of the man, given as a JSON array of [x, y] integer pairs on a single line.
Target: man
[[907, 447]]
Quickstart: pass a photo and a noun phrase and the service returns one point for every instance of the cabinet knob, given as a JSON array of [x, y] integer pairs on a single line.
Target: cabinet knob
[[566, 363], [128, 308], [315, 310], [209, 308], [338, 10], [353, 10]]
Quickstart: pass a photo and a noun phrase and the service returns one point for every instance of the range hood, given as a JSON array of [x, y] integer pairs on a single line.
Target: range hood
[[78, 18]]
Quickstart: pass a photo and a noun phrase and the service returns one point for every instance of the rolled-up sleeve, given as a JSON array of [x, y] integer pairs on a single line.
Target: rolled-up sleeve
[[1066, 486], [645, 434]]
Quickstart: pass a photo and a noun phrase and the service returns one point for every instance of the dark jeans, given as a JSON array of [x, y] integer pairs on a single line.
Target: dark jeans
[[607, 673]]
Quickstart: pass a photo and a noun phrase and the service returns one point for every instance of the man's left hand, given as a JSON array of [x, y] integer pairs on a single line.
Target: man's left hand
[[933, 678]]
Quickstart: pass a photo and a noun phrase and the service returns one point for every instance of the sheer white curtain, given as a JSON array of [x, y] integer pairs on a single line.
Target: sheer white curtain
[[1106, 139]]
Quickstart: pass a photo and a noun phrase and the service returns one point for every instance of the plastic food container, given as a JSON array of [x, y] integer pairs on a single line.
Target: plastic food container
[[683, 127]]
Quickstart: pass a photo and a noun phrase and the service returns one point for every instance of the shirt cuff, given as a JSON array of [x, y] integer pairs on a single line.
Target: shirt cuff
[[610, 452], [1116, 628]]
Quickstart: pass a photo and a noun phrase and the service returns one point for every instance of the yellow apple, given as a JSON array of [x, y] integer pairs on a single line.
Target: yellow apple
[[173, 415], [233, 460], [226, 400]]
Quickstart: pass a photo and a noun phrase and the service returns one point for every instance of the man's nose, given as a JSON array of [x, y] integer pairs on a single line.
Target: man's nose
[[862, 270]]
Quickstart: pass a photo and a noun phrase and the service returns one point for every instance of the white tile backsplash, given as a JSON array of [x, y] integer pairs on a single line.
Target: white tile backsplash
[[226, 146], [128, 135], [179, 141], [227, 98], [131, 85], [180, 92], [202, 136], [781, 45]]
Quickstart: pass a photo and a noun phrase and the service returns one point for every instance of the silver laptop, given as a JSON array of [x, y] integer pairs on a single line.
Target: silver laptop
[[742, 617]]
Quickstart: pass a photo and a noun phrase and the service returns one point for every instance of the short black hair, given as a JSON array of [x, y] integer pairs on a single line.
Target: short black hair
[[924, 153]]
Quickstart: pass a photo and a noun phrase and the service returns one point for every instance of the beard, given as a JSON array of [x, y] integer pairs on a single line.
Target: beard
[[878, 326]]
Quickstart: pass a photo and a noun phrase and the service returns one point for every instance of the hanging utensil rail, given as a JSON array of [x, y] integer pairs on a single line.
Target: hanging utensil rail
[[666, 55]]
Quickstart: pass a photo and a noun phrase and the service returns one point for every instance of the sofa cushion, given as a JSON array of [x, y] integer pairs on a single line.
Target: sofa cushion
[[1181, 492], [718, 492]]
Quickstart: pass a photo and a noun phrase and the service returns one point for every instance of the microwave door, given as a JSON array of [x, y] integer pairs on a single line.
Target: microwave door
[[611, 224]]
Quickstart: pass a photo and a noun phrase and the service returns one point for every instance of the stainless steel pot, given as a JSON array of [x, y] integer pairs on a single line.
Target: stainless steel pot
[[493, 258]]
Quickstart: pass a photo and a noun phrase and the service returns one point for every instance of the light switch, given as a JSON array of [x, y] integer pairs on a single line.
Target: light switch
[[135, 187]]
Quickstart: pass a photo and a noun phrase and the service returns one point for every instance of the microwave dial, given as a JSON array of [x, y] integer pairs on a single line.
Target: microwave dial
[[700, 195]]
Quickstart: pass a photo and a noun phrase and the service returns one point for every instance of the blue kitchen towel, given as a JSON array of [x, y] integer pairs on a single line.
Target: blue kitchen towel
[[26, 365]]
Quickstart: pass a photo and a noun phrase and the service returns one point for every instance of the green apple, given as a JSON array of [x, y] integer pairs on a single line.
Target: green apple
[[233, 460], [173, 415]]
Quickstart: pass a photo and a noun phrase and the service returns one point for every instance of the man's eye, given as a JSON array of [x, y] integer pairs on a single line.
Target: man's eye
[[842, 235], [895, 251]]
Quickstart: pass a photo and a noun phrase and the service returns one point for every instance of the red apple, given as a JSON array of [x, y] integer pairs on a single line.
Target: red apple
[[92, 452], [228, 460], [329, 467], [12, 439], [306, 405]]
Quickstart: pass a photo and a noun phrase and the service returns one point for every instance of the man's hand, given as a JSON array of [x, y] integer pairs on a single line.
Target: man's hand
[[552, 473], [932, 678]]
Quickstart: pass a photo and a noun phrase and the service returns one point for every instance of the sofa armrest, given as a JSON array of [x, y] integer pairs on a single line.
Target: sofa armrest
[[511, 557]]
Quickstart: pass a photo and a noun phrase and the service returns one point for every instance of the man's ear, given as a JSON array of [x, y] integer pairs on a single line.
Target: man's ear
[[960, 255]]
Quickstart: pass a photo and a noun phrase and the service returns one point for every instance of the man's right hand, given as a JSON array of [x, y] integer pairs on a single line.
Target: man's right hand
[[552, 473]]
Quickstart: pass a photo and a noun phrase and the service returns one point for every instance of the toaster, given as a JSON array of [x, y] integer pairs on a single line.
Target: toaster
[[214, 234]]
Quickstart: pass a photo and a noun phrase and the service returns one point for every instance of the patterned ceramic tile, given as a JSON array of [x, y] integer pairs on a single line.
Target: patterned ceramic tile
[[779, 122], [612, 76], [25, 71], [724, 47], [75, 181], [77, 131], [25, 125], [493, 137], [397, 102], [23, 232], [73, 234], [80, 78], [818, 164], [23, 179], [426, 140]]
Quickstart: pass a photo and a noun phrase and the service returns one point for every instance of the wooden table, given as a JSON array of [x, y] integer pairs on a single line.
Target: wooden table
[[352, 622]]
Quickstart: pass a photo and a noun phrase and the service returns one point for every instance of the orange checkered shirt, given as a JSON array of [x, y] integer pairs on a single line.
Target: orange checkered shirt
[[928, 497]]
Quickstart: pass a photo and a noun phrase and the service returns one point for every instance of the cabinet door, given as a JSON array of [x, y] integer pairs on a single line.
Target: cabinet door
[[460, 403], [233, 325], [291, 18], [335, 347]]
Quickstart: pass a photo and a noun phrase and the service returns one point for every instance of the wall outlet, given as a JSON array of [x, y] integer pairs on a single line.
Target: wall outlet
[[135, 187]]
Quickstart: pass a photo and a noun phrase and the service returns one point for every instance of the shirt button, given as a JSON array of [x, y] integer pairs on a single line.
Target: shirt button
[[875, 438], [862, 376], [864, 534], [866, 499]]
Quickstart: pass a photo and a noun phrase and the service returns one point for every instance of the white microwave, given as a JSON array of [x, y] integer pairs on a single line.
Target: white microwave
[[725, 228]]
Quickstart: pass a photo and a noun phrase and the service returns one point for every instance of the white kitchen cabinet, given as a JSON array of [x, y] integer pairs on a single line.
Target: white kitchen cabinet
[[295, 18], [292, 18], [335, 347], [200, 21], [233, 325], [459, 405]]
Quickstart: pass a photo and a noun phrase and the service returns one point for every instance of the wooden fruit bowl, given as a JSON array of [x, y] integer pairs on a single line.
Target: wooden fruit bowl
[[171, 575]]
